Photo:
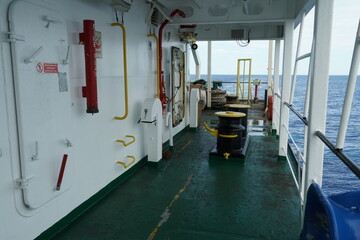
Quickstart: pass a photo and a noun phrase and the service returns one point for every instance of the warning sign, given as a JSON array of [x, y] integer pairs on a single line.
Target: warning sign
[[98, 44], [47, 68]]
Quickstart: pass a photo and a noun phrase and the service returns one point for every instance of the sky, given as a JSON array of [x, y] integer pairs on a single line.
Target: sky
[[345, 21]]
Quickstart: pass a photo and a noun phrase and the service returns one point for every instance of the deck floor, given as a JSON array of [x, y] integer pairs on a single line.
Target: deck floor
[[189, 197]]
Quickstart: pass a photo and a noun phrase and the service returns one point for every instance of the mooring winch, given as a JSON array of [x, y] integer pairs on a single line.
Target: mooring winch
[[231, 136]]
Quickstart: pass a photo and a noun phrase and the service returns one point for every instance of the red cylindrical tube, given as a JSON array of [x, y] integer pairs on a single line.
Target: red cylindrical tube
[[256, 92], [163, 97], [61, 173], [90, 90]]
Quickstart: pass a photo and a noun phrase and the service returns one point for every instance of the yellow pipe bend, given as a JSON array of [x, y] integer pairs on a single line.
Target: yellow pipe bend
[[127, 144], [157, 64], [125, 72], [129, 164], [212, 131], [216, 132]]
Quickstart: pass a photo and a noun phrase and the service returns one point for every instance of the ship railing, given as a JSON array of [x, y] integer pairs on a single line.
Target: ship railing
[[300, 161], [340, 154], [337, 148], [245, 95]]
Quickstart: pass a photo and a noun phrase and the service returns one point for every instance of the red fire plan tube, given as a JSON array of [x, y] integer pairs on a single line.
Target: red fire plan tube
[[87, 38], [61, 173], [163, 98]]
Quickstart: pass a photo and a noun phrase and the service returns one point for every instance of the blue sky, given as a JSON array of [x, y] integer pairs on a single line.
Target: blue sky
[[346, 19]]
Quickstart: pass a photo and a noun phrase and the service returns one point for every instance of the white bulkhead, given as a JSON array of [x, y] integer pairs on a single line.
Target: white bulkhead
[[43, 114]]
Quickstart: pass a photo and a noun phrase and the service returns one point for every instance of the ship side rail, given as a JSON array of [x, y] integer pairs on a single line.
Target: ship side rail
[[300, 161], [337, 148], [340, 154]]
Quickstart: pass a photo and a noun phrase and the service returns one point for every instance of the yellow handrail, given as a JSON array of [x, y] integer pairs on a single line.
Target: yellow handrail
[[241, 89], [216, 132], [212, 131], [125, 72], [126, 144], [129, 164], [157, 64]]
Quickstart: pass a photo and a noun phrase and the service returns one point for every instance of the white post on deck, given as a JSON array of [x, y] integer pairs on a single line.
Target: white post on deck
[[285, 89], [276, 106], [197, 64], [270, 68], [349, 92], [209, 76], [319, 91]]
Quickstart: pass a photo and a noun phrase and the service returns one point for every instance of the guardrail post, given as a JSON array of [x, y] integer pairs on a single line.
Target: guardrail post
[[276, 106], [319, 91], [285, 89], [209, 76]]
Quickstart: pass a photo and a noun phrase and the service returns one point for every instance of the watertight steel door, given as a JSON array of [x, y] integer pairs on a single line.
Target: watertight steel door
[[178, 85], [43, 103]]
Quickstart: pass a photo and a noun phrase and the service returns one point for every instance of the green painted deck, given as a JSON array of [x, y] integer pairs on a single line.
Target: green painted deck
[[189, 197]]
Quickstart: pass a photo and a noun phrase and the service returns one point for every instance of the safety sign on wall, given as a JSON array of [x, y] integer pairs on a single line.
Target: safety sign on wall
[[98, 44], [47, 67]]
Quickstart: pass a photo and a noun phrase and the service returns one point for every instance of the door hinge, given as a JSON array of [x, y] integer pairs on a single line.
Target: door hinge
[[14, 37], [23, 183]]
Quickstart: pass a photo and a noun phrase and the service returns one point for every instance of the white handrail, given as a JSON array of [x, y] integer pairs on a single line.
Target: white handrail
[[296, 146], [303, 56], [349, 92], [298, 182], [292, 171], [297, 55]]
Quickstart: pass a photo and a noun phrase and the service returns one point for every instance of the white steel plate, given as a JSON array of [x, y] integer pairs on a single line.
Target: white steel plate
[[43, 103]]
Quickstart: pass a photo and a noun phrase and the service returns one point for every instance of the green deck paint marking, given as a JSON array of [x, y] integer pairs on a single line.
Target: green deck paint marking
[[166, 214]]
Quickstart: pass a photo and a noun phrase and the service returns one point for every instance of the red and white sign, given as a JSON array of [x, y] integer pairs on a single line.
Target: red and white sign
[[47, 68], [98, 44]]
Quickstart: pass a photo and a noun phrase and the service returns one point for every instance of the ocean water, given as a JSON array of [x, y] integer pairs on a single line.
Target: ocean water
[[337, 177]]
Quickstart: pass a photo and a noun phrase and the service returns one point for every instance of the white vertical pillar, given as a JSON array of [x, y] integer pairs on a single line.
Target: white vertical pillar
[[276, 106], [194, 100], [293, 83], [197, 64], [345, 115], [285, 88], [270, 68], [197, 72], [319, 91], [209, 76]]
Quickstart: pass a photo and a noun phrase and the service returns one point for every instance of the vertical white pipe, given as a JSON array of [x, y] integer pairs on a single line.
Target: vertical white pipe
[[349, 92], [293, 83], [209, 76], [308, 81], [197, 72], [306, 115], [197, 64], [319, 91], [285, 88], [276, 106], [169, 124], [270, 68]]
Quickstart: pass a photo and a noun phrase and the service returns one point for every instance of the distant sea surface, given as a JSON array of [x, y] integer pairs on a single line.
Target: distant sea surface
[[337, 177]]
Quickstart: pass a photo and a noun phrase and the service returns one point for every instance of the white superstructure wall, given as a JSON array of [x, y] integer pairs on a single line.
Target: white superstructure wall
[[94, 152]]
